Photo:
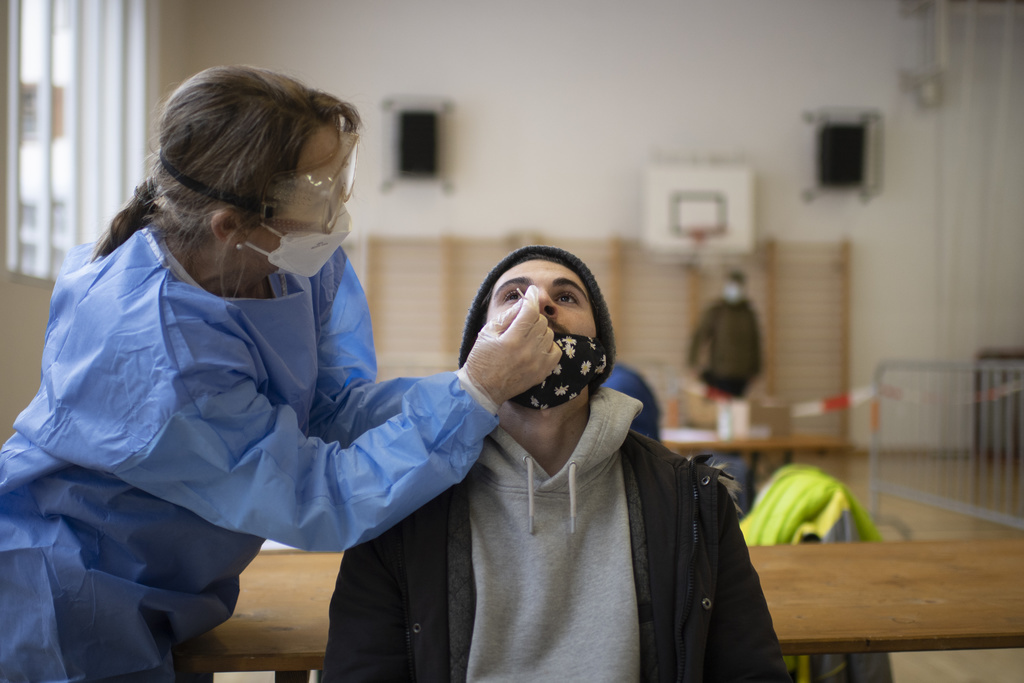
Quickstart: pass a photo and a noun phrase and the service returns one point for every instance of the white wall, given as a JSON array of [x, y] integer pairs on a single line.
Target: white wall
[[559, 104]]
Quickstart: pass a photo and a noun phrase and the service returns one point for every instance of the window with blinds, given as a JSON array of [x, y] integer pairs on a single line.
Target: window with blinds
[[76, 123]]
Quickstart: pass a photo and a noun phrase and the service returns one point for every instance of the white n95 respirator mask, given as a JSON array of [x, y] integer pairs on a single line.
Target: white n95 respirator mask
[[305, 253]]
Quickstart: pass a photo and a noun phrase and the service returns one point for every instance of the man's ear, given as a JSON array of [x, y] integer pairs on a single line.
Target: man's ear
[[224, 224]]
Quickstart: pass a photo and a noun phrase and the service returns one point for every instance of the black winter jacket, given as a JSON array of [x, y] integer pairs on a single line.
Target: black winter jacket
[[403, 605]]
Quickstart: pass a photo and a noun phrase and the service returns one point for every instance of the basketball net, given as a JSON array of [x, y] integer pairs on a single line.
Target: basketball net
[[700, 235]]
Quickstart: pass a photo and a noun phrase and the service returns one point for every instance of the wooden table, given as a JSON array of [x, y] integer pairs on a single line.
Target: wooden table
[[280, 622], [824, 598], [895, 596], [695, 441]]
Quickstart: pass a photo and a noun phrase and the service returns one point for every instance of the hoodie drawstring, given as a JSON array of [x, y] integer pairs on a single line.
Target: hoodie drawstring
[[529, 488], [572, 493], [572, 497]]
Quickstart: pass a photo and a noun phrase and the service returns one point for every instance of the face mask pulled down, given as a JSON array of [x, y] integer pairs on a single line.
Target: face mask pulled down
[[583, 359]]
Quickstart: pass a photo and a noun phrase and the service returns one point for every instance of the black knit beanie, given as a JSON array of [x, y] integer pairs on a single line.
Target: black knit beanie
[[477, 316]]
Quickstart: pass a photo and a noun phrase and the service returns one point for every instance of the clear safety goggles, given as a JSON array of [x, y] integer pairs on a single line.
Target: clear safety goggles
[[311, 200]]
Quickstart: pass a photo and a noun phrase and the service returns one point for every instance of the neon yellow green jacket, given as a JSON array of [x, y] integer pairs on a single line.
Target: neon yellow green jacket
[[803, 501]]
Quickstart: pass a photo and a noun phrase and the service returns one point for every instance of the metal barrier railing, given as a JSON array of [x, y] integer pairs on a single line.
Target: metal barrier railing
[[950, 435]]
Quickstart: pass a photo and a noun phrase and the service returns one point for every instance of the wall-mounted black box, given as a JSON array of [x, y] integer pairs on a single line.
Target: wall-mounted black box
[[417, 144], [841, 154]]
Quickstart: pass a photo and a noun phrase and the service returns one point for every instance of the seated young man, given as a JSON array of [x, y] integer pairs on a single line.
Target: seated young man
[[574, 550]]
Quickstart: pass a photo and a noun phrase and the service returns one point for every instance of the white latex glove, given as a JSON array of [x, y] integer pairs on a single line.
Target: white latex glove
[[514, 351]]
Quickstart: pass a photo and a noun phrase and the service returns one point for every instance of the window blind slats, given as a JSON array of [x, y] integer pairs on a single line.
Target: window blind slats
[[76, 125]]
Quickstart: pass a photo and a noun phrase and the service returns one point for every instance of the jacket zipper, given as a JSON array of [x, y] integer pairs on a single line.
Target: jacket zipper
[[400, 568], [680, 644]]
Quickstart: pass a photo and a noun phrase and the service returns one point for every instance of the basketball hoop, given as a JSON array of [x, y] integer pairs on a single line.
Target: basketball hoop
[[699, 234]]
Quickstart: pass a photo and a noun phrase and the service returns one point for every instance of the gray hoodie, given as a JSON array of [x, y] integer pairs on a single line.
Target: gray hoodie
[[557, 602]]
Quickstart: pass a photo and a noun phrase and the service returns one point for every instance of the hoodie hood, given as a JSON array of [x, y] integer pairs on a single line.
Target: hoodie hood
[[506, 465]]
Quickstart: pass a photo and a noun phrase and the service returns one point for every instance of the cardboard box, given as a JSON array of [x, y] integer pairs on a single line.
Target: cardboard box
[[776, 414], [701, 412]]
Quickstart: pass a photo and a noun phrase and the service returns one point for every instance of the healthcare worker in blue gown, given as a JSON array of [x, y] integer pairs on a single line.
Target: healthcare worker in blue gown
[[208, 383]]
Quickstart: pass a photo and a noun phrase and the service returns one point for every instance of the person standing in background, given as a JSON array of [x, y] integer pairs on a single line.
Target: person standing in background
[[728, 338]]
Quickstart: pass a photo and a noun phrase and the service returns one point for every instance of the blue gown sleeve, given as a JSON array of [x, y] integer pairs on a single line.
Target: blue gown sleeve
[[307, 492]]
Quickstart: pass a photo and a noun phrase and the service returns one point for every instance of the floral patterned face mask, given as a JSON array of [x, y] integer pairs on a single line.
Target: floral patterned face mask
[[583, 358]]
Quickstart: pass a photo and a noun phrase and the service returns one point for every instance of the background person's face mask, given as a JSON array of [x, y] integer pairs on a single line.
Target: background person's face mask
[[583, 358], [305, 253], [732, 292]]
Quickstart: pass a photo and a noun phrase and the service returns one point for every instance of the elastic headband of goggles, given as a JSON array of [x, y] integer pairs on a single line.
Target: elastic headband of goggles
[[247, 203]]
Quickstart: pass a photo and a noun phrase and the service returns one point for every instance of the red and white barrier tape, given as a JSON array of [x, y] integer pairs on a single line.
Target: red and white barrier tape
[[861, 395], [833, 403], [806, 409], [939, 397]]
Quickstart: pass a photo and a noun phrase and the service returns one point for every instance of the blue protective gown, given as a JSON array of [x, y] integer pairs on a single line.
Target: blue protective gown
[[173, 431]]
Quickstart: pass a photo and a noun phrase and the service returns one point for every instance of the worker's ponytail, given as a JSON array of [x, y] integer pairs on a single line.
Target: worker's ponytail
[[130, 219]]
